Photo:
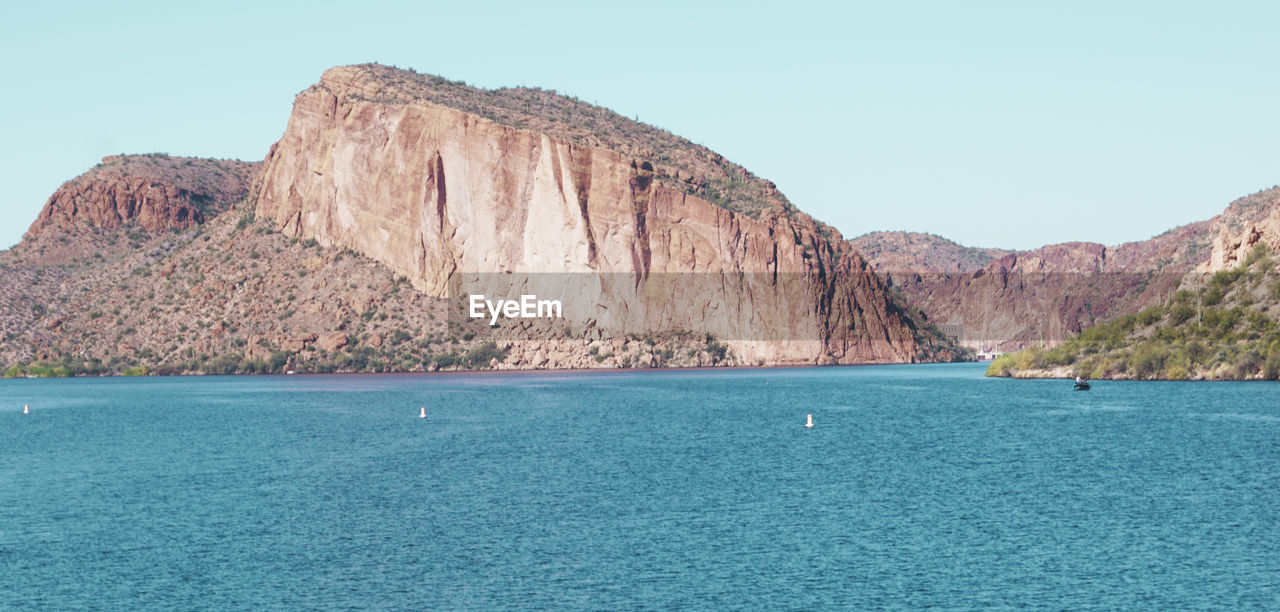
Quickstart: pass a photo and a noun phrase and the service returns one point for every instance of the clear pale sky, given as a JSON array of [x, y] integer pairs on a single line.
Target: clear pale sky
[[1010, 124]]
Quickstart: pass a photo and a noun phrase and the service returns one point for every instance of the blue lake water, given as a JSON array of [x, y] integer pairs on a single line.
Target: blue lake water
[[919, 486]]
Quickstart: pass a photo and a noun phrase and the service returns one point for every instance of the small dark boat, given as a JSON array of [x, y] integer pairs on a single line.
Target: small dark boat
[[1082, 385]]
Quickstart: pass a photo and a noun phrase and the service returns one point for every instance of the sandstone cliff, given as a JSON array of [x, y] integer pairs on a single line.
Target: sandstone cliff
[[231, 296], [444, 196]]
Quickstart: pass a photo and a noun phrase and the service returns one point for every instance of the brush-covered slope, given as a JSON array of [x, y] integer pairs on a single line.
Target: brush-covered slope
[[232, 296], [1220, 324], [445, 184]]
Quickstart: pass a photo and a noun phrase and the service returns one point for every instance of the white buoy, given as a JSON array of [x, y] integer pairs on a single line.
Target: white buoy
[[423, 414], [809, 423], [25, 409]]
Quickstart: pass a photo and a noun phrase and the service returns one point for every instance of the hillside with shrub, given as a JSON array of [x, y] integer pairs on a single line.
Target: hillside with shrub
[[1219, 326]]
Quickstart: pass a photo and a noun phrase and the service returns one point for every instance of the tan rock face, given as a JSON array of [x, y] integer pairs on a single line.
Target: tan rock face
[[447, 198], [1231, 248]]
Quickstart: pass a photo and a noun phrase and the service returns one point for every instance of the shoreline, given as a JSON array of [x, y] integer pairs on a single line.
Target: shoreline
[[516, 371], [1056, 375]]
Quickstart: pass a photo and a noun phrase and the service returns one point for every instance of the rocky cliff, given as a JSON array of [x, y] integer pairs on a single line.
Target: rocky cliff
[[1248, 222], [372, 162], [155, 192]]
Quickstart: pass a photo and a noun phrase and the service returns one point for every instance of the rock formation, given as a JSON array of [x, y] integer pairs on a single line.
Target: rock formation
[[1249, 222], [158, 192], [444, 196]]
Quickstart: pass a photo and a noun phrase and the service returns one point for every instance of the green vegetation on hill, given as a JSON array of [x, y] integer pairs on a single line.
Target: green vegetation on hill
[[1223, 328]]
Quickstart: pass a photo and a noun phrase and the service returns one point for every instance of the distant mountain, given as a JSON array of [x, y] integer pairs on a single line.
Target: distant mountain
[[1046, 295], [918, 252]]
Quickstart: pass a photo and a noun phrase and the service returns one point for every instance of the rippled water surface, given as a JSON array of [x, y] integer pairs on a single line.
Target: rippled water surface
[[919, 486]]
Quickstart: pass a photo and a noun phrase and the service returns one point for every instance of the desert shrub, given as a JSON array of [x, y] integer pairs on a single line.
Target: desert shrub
[[717, 350], [1245, 364], [1259, 253], [1221, 322], [1148, 360], [445, 360], [1180, 313], [1150, 315], [1271, 367], [1059, 355], [483, 354], [276, 362], [1028, 358], [1260, 322], [1224, 279], [1213, 296], [1002, 366], [1196, 352]]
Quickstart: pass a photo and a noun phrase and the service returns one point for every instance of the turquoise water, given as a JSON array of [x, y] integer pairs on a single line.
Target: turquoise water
[[919, 486]]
